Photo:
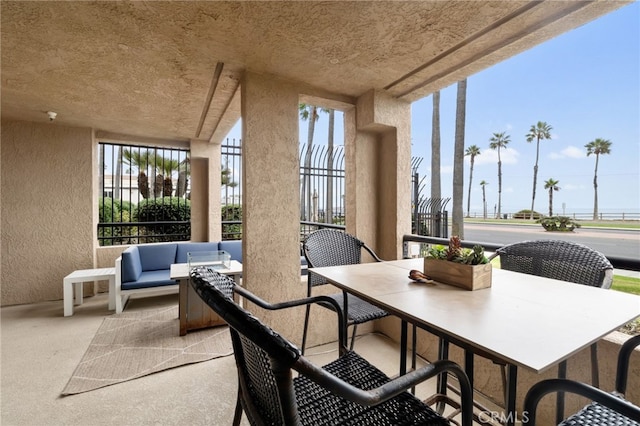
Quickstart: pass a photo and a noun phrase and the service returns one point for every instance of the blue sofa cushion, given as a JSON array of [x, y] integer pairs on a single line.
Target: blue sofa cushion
[[234, 248], [184, 248], [131, 266], [150, 279], [157, 256]]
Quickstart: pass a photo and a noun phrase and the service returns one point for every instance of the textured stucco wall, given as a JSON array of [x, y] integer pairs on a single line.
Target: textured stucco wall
[[378, 151], [270, 198], [47, 208], [205, 191]]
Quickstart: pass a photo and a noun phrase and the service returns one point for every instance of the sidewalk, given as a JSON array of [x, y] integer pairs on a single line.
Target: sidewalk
[[625, 273]]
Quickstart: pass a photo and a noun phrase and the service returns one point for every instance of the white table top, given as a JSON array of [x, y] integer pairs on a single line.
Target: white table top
[[180, 271], [90, 274], [528, 321]]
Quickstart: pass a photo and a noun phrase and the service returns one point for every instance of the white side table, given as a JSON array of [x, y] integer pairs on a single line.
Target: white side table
[[82, 276]]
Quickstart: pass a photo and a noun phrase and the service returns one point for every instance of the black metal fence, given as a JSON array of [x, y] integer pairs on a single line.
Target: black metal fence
[[429, 215], [231, 190], [144, 194], [322, 184]]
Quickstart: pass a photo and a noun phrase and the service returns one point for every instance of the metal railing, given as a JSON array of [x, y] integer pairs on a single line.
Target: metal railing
[[117, 233], [625, 263], [626, 216]]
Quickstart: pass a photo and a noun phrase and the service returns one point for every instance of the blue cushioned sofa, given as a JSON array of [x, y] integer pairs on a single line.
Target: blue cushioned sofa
[[146, 267]]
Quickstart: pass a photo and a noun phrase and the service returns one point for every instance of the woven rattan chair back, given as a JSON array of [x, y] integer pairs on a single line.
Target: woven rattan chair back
[[560, 260], [347, 391], [263, 357], [329, 247]]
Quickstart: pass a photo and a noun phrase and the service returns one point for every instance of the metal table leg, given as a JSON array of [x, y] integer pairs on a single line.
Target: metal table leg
[[512, 380]]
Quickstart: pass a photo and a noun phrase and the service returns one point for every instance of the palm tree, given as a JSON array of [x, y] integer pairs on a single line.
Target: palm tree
[[539, 131], [101, 167], [457, 222], [328, 214], [183, 177], [436, 191], [310, 113], [498, 141], [472, 152], [484, 198], [551, 185], [141, 159], [158, 178], [168, 166], [118, 177], [597, 147], [435, 149], [226, 179]]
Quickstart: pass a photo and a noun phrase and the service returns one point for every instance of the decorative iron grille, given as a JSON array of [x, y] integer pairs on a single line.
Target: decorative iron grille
[[144, 194]]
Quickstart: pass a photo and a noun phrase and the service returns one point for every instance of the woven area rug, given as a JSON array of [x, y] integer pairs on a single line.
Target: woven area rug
[[135, 344]]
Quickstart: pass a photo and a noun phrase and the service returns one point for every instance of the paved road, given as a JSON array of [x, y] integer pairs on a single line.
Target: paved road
[[610, 242]]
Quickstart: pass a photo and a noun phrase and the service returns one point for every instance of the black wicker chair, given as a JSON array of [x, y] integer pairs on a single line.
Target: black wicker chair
[[606, 408], [347, 391], [330, 247]]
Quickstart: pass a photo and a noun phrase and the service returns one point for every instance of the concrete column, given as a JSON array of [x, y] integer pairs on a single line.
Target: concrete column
[[205, 191], [270, 198], [378, 173]]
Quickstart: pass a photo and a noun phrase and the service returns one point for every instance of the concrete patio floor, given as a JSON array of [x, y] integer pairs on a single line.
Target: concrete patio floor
[[41, 349]]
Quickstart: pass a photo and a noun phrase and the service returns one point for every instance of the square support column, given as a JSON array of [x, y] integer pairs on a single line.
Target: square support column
[[378, 157], [271, 196], [205, 191]]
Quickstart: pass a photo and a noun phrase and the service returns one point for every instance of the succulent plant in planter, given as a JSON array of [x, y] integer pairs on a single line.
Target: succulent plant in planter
[[456, 253], [461, 267]]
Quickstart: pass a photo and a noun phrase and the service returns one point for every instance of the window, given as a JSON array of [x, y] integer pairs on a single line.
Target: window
[[146, 194]]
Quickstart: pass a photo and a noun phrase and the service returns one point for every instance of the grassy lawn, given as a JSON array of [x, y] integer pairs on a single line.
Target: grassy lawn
[[626, 284]]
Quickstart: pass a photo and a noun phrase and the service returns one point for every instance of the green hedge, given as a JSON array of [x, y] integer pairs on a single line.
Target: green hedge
[[232, 212], [110, 210], [161, 210]]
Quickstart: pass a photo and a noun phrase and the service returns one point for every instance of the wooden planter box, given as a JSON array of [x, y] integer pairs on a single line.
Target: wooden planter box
[[469, 277]]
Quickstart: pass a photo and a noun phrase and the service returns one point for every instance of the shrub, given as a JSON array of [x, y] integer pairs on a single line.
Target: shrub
[[110, 211], [526, 214], [166, 209], [558, 223], [232, 231]]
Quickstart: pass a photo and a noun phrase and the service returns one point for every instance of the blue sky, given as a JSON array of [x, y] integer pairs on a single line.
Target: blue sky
[[585, 84]]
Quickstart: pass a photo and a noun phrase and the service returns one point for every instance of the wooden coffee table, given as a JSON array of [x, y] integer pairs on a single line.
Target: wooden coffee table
[[193, 312]]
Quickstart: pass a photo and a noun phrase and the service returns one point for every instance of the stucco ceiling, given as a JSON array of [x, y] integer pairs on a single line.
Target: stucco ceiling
[[171, 70]]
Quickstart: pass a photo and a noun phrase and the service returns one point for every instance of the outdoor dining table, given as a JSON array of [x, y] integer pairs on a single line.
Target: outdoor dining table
[[525, 320]]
